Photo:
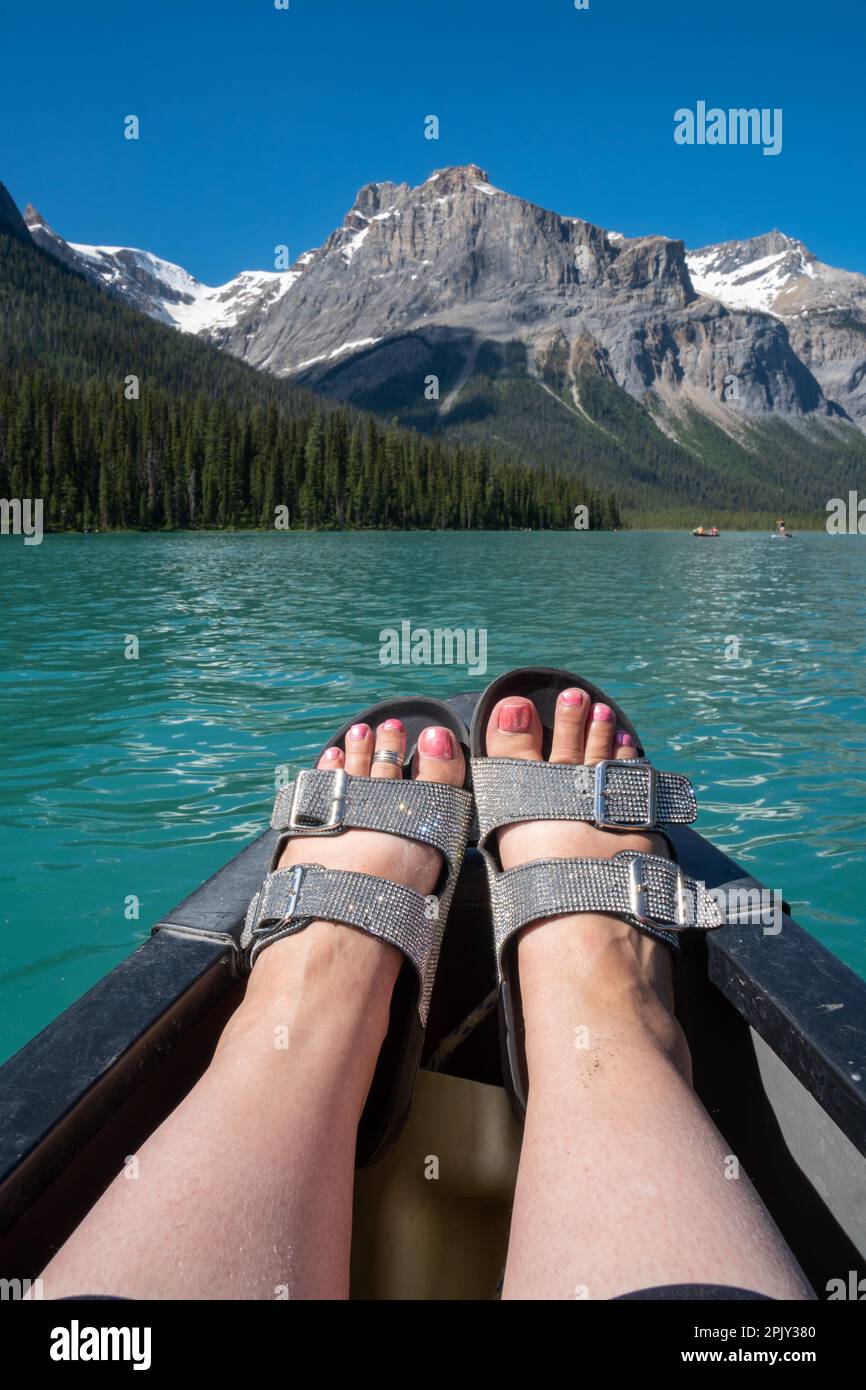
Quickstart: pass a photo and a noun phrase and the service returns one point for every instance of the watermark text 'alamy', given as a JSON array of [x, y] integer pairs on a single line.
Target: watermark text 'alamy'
[[438, 646]]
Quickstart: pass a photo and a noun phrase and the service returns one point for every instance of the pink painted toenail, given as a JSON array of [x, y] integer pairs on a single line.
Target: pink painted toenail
[[602, 712], [436, 743], [624, 740], [394, 725], [359, 731], [514, 719], [331, 753], [572, 697]]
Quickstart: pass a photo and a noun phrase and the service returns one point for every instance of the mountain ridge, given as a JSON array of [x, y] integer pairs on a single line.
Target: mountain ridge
[[465, 311], [457, 251]]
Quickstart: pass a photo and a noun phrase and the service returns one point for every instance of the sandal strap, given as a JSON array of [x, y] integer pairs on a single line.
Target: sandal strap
[[618, 793], [289, 899], [321, 802], [647, 890]]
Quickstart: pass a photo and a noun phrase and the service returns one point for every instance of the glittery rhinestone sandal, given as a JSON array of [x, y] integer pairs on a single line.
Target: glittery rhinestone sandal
[[322, 802], [647, 890]]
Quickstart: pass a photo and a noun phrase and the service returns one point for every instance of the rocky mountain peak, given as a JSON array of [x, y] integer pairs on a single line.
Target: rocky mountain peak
[[773, 243], [728, 255], [777, 243], [375, 199], [458, 178], [40, 229]]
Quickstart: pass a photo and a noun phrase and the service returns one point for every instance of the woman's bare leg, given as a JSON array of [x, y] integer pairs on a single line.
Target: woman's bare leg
[[623, 1176], [245, 1191]]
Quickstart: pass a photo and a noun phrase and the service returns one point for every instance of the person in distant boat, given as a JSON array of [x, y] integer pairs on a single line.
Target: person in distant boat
[[780, 526], [714, 530], [698, 531], [245, 1190]]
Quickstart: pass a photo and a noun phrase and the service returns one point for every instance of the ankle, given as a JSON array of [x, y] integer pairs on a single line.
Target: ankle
[[329, 958], [325, 987], [596, 979], [596, 955]]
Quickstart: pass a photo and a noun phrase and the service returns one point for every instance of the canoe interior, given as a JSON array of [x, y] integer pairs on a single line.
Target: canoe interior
[[776, 1024]]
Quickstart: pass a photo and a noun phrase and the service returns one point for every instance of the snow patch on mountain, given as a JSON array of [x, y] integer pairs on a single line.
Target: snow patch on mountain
[[754, 286], [772, 274], [175, 296], [355, 243], [164, 290], [732, 273], [329, 356]]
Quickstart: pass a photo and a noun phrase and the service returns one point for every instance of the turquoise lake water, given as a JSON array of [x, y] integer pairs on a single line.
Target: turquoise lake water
[[141, 777]]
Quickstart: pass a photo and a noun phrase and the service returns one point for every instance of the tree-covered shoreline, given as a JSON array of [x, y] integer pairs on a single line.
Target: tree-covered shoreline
[[167, 462]]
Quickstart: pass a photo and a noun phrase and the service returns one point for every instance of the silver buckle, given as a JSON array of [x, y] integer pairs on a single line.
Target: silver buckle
[[637, 890], [293, 888], [639, 901], [338, 806], [600, 806]]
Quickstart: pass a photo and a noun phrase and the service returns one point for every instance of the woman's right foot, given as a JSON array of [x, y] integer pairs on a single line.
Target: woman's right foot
[[330, 975], [588, 970]]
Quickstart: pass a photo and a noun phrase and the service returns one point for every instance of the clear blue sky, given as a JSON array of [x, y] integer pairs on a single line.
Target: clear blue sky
[[259, 125]]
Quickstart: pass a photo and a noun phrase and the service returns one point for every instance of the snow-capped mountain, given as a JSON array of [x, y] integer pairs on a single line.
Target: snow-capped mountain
[[773, 274], [161, 289], [823, 309], [431, 280]]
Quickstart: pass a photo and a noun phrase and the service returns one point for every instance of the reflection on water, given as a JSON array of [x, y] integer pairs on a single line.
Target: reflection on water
[[742, 663]]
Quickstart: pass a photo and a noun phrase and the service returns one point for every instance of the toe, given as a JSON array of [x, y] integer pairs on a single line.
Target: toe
[[514, 729], [331, 758], [624, 745], [359, 750], [599, 738], [569, 728], [440, 757], [390, 738]]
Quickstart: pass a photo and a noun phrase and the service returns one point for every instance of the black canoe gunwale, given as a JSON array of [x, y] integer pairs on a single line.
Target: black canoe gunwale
[[67, 1083]]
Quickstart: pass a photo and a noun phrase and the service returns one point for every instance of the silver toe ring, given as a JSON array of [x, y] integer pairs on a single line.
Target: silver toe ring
[[389, 755]]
